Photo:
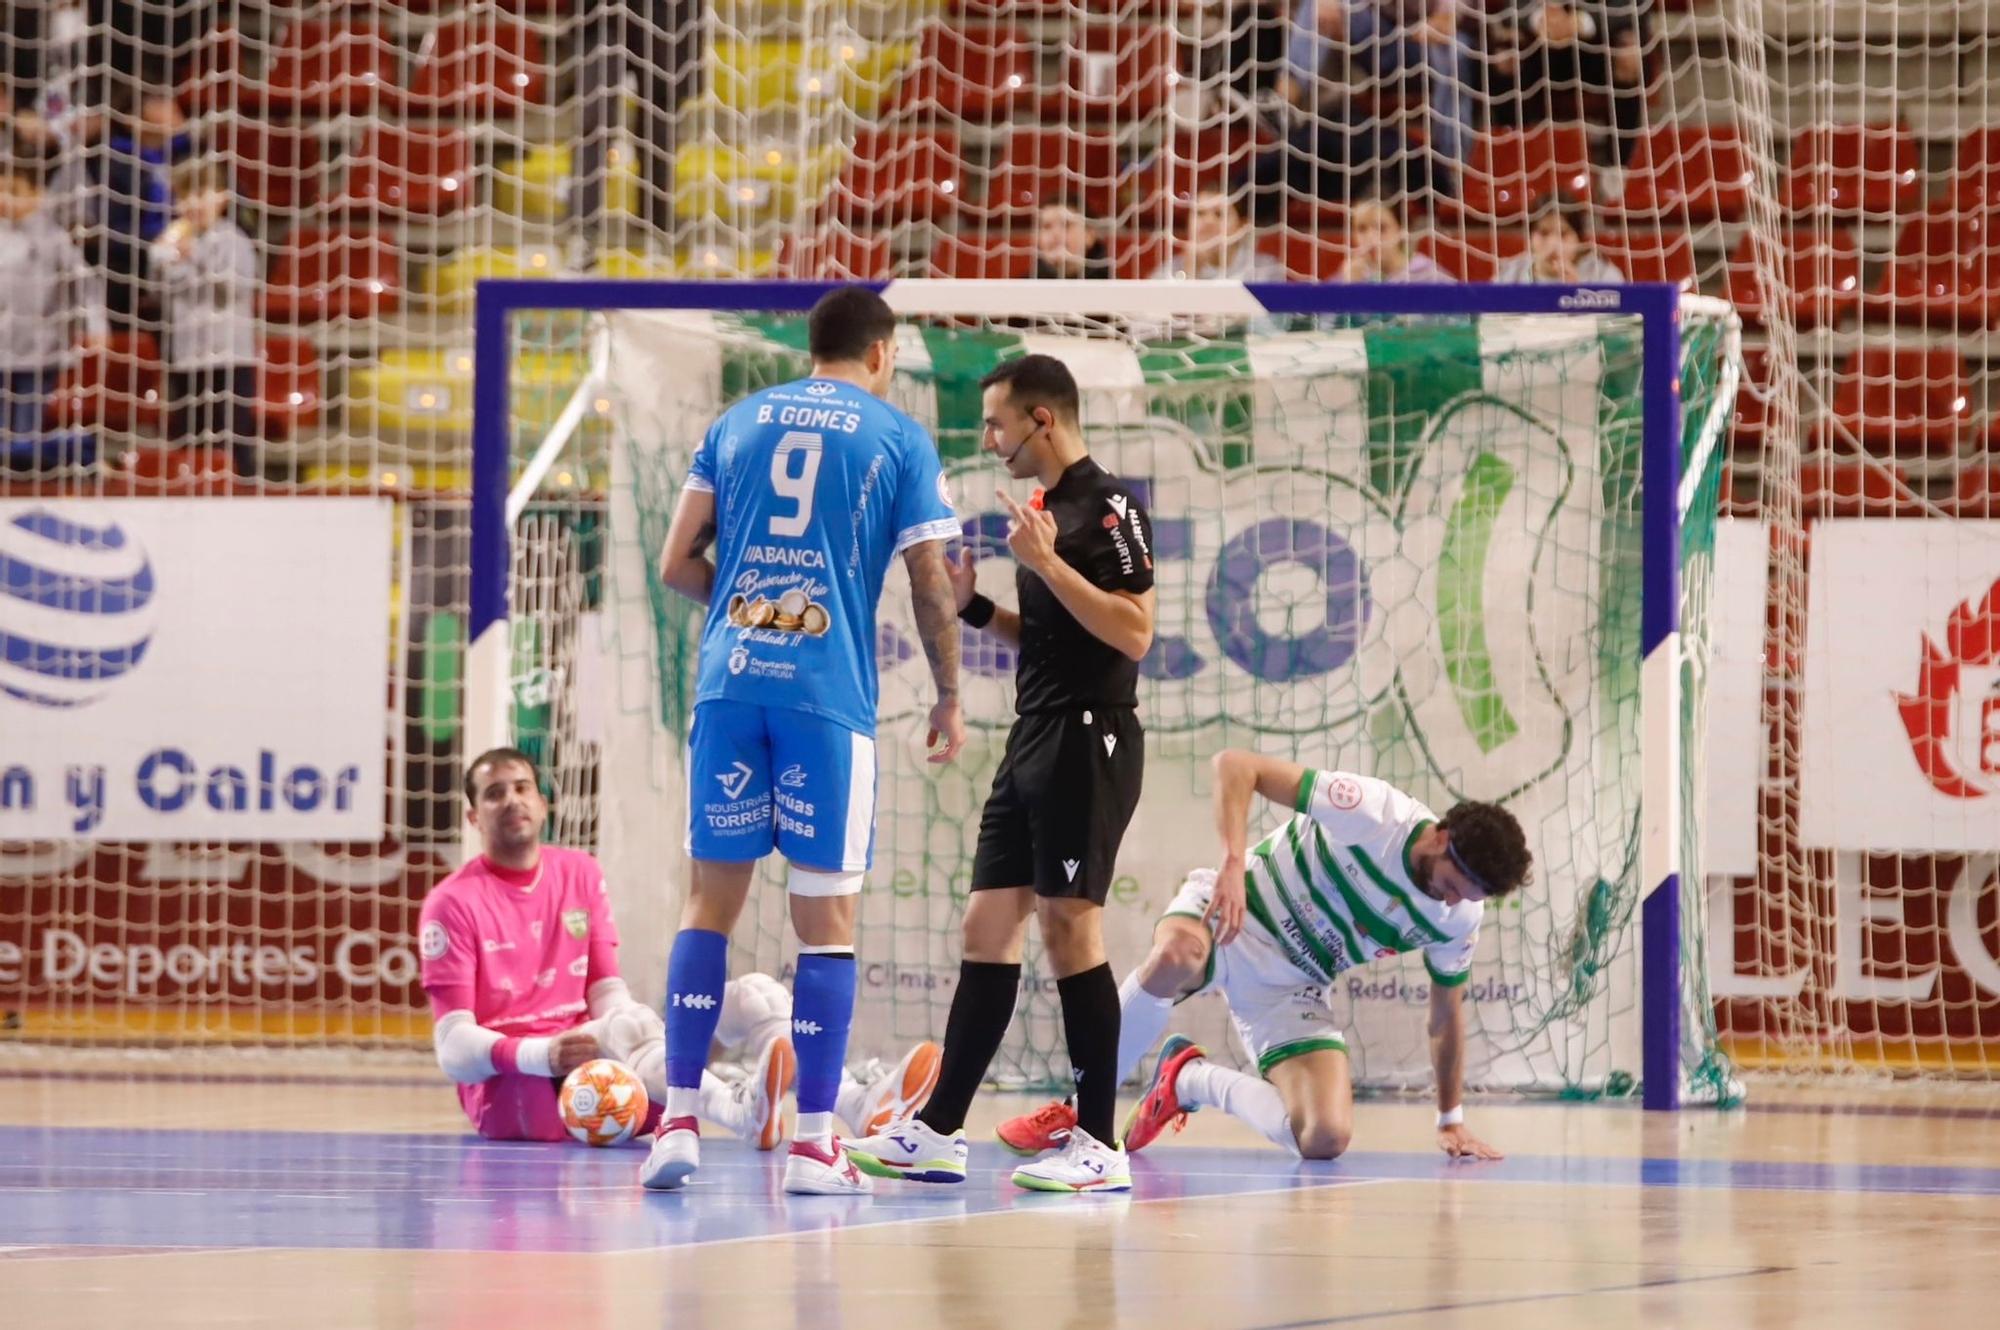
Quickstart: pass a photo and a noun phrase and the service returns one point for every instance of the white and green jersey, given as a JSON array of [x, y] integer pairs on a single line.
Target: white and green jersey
[[1332, 885]]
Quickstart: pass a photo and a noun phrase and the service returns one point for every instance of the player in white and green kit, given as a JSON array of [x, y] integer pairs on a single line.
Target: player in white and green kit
[[1359, 871]]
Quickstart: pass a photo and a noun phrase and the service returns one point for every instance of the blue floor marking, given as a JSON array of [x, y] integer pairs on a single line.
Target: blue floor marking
[[126, 1188]]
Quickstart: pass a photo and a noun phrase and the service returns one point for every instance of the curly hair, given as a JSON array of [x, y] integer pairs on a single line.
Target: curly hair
[[1491, 843]]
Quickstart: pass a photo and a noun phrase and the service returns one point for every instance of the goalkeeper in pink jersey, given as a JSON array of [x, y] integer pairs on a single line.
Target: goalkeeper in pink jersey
[[520, 962]]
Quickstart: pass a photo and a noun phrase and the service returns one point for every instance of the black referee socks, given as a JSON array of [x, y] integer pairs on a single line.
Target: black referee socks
[[981, 1011], [1090, 1020]]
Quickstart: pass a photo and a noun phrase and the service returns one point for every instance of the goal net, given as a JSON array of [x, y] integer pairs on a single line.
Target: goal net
[[1409, 546]]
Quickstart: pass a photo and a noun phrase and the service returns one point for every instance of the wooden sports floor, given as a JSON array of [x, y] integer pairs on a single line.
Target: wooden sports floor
[[136, 1197]]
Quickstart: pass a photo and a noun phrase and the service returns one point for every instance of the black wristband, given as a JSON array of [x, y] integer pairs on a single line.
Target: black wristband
[[978, 611]]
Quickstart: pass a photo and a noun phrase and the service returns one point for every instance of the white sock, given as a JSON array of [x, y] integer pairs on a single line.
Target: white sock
[[720, 1104], [1142, 1019], [684, 1101], [1202, 1084], [848, 1102], [815, 1128]]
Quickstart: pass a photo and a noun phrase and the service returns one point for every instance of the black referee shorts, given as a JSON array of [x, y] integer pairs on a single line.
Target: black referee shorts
[[1065, 791]]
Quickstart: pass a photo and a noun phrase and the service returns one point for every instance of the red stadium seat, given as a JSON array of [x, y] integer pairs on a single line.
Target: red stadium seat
[[172, 472], [1855, 170], [1137, 255], [1977, 493], [489, 66], [837, 253], [324, 68], [1473, 253], [118, 385], [1217, 157], [211, 78], [333, 275], [1513, 168], [1975, 178], [1946, 273], [1123, 71], [898, 176], [273, 165], [1854, 487], [1650, 256], [985, 254], [1753, 407], [1693, 172], [1308, 258], [409, 172], [1043, 165], [1823, 273], [979, 73], [1901, 401], [290, 389]]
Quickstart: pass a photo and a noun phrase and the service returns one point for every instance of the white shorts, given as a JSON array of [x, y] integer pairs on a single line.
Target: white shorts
[[1279, 1011]]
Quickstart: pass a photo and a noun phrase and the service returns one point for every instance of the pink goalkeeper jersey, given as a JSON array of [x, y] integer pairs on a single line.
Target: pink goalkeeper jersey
[[519, 950]]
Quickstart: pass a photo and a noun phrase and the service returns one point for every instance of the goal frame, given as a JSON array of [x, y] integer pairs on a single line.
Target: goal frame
[[1655, 304]]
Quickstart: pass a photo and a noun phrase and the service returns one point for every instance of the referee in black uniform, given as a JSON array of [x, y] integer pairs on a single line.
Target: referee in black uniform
[[1069, 781]]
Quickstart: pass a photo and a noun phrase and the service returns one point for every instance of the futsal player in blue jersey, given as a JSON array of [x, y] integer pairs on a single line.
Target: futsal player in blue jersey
[[797, 502]]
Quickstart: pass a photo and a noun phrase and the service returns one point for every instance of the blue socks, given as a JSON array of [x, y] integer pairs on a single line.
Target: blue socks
[[697, 969], [822, 1013]]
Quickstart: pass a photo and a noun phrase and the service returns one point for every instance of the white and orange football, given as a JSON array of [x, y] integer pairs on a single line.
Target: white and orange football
[[603, 1103]]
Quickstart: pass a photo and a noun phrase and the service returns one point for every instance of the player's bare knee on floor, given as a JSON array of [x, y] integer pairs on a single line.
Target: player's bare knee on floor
[[1321, 1140]]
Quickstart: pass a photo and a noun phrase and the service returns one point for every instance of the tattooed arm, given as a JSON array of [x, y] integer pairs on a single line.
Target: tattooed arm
[[937, 625]]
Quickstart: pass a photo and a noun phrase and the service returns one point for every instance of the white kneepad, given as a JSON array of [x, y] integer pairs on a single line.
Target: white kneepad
[[630, 1029], [755, 1010]]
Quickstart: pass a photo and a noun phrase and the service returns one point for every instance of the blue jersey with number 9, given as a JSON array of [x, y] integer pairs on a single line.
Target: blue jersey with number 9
[[818, 486]]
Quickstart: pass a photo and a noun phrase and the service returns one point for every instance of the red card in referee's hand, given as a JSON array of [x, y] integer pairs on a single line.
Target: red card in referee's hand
[[1031, 534]]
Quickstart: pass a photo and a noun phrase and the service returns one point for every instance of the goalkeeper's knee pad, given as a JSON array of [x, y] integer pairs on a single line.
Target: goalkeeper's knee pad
[[755, 1010]]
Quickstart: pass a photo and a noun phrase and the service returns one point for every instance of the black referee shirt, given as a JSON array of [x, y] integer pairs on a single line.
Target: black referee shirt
[[1103, 533]]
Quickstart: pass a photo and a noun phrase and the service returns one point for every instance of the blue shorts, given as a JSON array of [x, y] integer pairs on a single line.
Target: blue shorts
[[763, 779]]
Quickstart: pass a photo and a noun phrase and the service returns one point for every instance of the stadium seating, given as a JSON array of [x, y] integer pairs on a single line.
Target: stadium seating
[[1977, 492], [1855, 170], [1651, 256], [1752, 403], [321, 274], [837, 253], [1854, 487], [450, 282], [408, 171], [325, 68], [1308, 258], [1511, 169], [1474, 252], [808, 77], [1946, 272], [984, 74], [897, 176], [291, 392], [1044, 165], [1692, 172], [1123, 71], [1901, 401], [1140, 254], [1214, 157], [1975, 178], [773, 180], [272, 165], [118, 385], [489, 66], [1822, 270], [535, 185], [175, 472], [983, 254]]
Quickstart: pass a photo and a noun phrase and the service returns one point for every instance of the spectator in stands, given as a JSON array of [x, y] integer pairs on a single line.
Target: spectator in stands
[[1217, 242], [209, 275], [133, 173], [1343, 152], [1069, 242], [1378, 248], [52, 301], [1559, 250], [1568, 59], [660, 42], [1404, 53]]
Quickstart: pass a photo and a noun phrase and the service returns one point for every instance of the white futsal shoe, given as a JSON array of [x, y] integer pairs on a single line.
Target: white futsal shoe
[[1084, 1163], [823, 1170], [675, 1156], [911, 1150]]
